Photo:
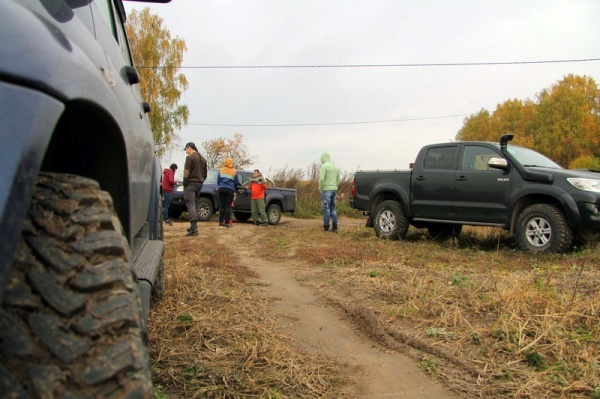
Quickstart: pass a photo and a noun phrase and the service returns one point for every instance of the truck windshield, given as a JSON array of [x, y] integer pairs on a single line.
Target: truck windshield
[[527, 157]]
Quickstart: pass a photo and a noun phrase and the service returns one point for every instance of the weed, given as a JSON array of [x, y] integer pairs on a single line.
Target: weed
[[436, 332], [186, 319], [535, 359], [429, 365]]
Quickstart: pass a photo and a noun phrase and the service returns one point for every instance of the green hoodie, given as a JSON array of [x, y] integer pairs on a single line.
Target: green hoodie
[[329, 175]]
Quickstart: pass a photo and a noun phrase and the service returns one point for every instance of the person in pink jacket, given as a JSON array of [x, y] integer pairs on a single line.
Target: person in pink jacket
[[168, 184]]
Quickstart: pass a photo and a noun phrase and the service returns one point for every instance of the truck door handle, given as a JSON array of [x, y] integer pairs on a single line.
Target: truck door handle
[[461, 178], [420, 178]]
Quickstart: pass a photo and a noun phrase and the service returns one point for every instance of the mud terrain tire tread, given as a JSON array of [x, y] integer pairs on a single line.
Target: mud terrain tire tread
[[71, 320]]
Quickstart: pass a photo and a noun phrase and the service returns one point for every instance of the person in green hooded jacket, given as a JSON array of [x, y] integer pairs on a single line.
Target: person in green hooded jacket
[[329, 180]]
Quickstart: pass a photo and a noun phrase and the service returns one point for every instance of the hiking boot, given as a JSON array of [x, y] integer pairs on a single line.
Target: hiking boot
[[334, 228], [256, 222], [264, 224], [168, 222], [193, 230], [326, 227]]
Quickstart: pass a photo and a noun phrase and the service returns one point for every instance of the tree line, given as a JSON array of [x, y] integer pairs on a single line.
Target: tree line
[[563, 123]]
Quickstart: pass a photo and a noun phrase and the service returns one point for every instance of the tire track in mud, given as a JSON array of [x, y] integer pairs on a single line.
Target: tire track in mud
[[316, 327]]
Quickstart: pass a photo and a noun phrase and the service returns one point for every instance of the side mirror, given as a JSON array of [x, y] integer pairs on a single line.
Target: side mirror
[[498, 163], [132, 75]]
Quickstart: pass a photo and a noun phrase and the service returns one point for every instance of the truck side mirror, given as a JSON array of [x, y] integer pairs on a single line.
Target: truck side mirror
[[498, 163]]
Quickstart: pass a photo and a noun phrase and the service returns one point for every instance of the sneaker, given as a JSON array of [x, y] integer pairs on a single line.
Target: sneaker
[[168, 222], [264, 224], [256, 222]]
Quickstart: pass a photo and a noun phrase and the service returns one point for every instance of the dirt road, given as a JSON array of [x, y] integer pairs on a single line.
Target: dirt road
[[317, 326]]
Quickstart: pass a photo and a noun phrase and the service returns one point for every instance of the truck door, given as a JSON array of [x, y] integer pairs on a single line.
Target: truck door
[[242, 199], [432, 183], [481, 194]]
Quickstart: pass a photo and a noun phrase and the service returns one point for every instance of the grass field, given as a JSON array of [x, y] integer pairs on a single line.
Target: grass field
[[488, 319]]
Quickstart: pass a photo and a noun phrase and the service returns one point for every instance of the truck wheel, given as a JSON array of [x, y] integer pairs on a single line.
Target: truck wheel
[[241, 216], [543, 228], [274, 213], [205, 209], [443, 231], [71, 319], [390, 221]]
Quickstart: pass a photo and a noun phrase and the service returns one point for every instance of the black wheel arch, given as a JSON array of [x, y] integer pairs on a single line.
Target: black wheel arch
[[88, 142]]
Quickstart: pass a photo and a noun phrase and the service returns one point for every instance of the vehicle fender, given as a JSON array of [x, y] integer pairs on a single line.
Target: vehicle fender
[[390, 191], [29, 118], [544, 193]]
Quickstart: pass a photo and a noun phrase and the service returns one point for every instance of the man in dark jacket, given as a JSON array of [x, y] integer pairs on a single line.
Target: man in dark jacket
[[194, 173]]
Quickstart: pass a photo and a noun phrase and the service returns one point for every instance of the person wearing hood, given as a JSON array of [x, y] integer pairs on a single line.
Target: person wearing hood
[[329, 180], [168, 184], [194, 174], [228, 182]]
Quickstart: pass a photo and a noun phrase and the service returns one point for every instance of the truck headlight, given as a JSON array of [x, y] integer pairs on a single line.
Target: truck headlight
[[585, 184]]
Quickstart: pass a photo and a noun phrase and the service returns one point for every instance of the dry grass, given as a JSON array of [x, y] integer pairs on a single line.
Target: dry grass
[[516, 324], [490, 320], [211, 336]]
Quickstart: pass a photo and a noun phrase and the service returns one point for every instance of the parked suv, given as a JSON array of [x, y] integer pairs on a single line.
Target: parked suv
[[80, 226]]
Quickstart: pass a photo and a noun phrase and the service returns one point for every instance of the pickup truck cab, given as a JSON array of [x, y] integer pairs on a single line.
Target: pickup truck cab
[[277, 200], [482, 184]]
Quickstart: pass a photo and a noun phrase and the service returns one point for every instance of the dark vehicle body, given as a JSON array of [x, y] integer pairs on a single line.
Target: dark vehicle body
[[482, 184], [277, 200], [81, 232]]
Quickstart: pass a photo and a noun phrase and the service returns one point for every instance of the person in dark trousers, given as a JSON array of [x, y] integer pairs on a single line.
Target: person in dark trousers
[[194, 174], [168, 184], [227, 182], [329, 180]]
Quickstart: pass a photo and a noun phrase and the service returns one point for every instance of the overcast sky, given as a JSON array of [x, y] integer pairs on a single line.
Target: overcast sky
[[339, 110]]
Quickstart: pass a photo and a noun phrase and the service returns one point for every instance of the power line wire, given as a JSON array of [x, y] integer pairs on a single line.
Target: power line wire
[[329, 123], [415, 65]]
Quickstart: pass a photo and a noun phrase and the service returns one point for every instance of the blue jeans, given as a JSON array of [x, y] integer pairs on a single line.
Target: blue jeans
[[167, 197], [328, 204]]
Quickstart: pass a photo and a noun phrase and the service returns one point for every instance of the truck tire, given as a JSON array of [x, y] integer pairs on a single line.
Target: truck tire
[[443, 231], [205, 209], [543, 228], [273, 213], [71, 318], [390, 221]]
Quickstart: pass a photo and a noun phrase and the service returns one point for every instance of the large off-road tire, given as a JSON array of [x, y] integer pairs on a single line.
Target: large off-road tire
[[443, 231], [71, 319], [274, 213], [205, 209], [543, 228], [390, 221]]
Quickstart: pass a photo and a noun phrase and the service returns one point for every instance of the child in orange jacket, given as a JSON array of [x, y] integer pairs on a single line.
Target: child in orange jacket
[[258, 186]]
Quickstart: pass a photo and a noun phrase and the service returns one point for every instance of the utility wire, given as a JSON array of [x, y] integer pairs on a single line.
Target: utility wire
[[416, 65], [329, 123]]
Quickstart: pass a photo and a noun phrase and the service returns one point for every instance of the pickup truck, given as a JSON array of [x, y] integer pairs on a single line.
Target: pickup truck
[[482, 184], [80, 212], [277, 200]]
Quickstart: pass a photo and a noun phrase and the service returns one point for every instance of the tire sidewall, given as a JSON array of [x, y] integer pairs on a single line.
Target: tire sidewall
[[390, 222], [205, 209], [273, 214], [560, 232]]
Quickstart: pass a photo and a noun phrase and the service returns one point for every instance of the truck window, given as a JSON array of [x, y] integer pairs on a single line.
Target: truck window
[[476, 157], [440, 158]]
